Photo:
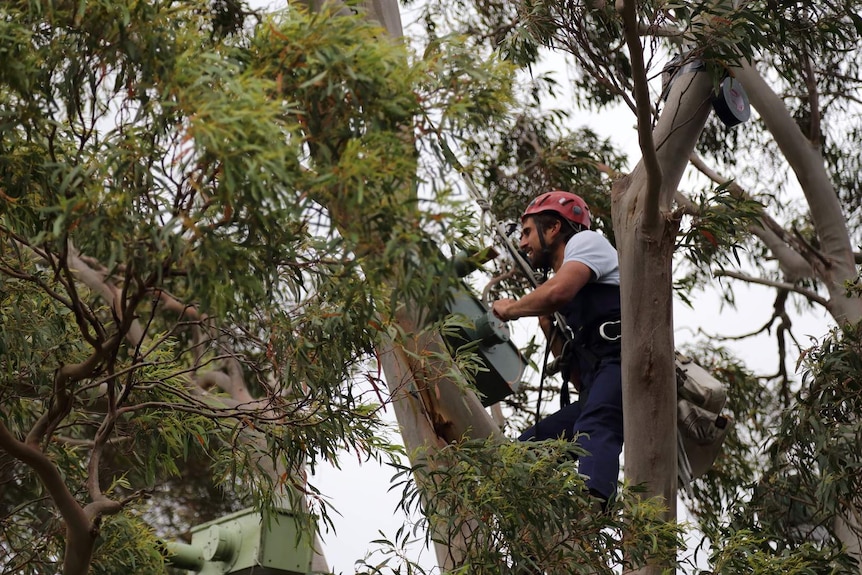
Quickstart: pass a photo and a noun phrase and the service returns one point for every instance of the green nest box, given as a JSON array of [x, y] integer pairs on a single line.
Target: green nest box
[[503, 361], [246, 543]]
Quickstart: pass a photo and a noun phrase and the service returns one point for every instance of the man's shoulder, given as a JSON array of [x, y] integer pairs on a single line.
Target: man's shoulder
[[596, 252], [589, 238]]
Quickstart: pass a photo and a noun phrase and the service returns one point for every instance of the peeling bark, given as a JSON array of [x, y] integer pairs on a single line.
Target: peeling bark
[[431, 409]]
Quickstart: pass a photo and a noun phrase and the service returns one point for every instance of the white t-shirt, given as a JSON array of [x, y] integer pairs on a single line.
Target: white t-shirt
[[594, 251]]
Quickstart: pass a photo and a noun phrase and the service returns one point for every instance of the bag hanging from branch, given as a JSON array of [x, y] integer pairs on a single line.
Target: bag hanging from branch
[[701, 426]]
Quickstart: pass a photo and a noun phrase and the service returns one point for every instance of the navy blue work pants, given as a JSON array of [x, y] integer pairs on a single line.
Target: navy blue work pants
[[598, 414]]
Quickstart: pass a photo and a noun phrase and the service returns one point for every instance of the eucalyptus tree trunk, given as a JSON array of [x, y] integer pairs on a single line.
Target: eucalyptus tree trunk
[[431, 409], [645, 228]]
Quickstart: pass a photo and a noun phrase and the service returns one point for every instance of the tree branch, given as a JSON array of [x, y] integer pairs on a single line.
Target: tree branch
[[685, 204], [48, 473], [790, 259], [813, 100], [627, 9], [61, 401], [96, 281], [79, 543], [232, 382], [83, 314], [808, 165], [808, 294], [171, 303], [661, 32], [94, 487]]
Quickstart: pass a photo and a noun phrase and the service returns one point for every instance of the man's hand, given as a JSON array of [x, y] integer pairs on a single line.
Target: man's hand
[[502, 308]]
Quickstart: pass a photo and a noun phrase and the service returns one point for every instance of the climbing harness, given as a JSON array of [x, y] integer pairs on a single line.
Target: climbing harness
[[611, 330]]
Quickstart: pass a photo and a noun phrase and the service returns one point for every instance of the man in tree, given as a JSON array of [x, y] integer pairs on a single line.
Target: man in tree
[[584, 289]]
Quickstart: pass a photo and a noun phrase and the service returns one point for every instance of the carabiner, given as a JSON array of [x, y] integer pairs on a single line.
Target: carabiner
[[605, 336]]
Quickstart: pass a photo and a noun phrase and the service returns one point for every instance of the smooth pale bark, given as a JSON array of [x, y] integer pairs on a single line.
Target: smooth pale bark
[[847, 529], [806, 161], [416, 421], [649, 382], [834, 262], [385, 12], [431, 408]]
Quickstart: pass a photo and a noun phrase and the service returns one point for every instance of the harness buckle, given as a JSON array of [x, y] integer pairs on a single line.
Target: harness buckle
[[611, 324]]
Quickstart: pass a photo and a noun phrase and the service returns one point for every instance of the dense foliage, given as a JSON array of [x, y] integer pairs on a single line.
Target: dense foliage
[[210, 218], [186, 277]]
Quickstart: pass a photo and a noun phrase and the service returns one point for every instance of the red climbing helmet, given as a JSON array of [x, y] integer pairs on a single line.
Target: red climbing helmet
[[569, 206]]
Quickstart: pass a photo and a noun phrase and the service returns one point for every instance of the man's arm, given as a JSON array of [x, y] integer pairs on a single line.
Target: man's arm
[[548, 297]]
